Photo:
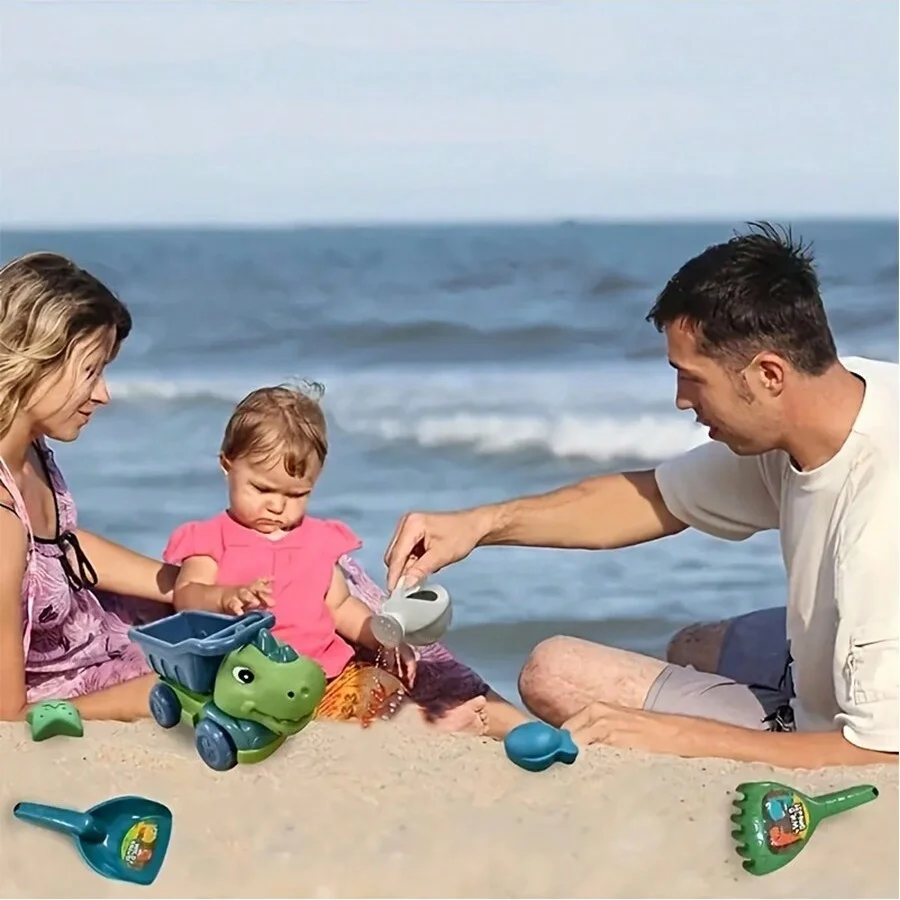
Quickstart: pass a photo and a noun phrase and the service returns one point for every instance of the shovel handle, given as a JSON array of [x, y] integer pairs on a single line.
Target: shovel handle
[[57, 818]]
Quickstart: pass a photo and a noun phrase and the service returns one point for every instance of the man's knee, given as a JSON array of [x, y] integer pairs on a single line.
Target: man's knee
[[698, 645], [538, 680]]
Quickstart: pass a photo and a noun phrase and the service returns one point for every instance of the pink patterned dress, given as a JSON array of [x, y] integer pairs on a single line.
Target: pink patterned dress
[[76, 637], [73, 644]]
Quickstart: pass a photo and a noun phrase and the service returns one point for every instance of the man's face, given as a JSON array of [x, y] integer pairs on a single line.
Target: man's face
[[725, 399]]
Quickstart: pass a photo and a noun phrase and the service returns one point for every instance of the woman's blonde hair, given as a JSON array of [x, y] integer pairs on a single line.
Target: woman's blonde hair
[[47, 306], [283, 421]]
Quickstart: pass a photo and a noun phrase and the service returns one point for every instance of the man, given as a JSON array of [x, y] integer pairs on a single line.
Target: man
[[801, 442]]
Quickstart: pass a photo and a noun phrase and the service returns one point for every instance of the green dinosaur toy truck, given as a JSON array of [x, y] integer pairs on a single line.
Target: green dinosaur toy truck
[[243, 691]]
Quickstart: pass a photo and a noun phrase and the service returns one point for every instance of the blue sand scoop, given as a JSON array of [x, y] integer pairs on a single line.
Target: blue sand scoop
[[536, 745], [124, 838]]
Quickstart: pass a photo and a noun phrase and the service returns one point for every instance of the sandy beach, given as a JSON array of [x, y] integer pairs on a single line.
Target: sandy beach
[[395, 812]]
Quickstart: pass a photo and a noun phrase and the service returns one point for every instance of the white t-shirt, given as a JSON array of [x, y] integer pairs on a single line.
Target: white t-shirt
[[841, 544]]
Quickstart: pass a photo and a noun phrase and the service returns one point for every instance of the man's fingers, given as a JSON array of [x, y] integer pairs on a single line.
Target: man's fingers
[[388, 554], [420, 568], [401, 552]]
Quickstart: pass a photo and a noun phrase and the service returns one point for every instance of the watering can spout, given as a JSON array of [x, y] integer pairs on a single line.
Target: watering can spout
[[66, 821]]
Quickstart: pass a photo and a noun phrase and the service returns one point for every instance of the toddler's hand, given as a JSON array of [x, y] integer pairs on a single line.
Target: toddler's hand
[[256, 595], [406, 657]]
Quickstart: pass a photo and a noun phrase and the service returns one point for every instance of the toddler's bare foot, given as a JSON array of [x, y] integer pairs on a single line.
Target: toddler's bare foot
[[468, 718]]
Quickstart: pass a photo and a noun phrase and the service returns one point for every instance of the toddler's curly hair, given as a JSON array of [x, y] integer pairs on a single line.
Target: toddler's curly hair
[[285, 421]]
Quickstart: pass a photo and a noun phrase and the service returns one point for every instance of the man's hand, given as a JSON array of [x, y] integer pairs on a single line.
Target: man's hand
[[423, 543], [674, 735], [256, 595], [627, 729]]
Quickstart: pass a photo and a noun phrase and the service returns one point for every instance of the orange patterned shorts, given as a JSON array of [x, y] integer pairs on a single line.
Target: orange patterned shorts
[[363, 692]]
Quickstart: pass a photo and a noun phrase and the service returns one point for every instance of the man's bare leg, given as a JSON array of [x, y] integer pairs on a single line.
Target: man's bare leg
[[698, 645], [564, 674]]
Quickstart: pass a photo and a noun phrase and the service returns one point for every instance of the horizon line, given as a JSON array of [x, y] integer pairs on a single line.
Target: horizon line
[[387, 223]]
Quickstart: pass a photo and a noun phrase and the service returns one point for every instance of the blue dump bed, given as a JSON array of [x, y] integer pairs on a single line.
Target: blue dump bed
[[188, 648]]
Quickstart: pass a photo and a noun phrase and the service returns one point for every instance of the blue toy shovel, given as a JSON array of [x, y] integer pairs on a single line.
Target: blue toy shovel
[[124, 838]]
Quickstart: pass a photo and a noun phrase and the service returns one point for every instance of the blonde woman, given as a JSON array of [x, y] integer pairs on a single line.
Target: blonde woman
[[59, 328], [67, 596]]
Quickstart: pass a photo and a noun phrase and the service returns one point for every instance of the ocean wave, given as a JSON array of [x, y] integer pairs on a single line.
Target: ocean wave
[[601, 415], [602, 438]]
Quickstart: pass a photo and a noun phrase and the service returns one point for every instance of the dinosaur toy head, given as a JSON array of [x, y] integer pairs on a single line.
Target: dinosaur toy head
[[269, 683]]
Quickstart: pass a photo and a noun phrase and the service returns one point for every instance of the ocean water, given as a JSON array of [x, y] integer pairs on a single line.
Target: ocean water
[[461, 365]]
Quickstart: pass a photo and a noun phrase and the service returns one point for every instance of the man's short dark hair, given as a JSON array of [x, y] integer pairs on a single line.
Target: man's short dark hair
[[759, 291]]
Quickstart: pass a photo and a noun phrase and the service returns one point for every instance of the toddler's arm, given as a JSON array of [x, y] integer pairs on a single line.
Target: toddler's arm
[[353, 621], [196, 588], [352, 618]]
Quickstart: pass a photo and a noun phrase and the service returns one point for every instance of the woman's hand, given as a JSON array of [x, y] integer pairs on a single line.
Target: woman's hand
[[256, 595]]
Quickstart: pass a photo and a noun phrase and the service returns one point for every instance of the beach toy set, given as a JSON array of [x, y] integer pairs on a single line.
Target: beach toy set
[[244, 692]]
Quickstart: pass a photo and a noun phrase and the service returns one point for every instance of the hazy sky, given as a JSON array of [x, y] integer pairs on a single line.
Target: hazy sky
[[200, 111]]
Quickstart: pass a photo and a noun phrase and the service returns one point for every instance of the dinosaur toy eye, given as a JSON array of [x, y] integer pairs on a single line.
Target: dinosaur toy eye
[[243, 674]]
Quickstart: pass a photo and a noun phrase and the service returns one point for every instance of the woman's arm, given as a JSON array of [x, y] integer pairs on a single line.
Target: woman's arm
[[13, 556], [352, 618], [124, 702], [122, 571]]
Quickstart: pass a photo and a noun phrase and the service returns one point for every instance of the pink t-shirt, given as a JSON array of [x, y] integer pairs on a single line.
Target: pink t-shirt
[[301, 565]]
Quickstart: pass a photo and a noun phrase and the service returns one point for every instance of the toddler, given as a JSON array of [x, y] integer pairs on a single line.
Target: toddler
[[264, 551]]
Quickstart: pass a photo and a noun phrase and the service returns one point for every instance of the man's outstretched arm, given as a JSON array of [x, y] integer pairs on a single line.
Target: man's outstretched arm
[[686, 736], [600, 513]]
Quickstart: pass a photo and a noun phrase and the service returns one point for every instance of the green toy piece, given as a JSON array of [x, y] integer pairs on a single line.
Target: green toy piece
[[775, 822], [54, 717]]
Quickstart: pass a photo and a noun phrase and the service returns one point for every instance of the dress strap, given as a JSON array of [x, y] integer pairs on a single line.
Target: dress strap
[[7, 480], [18, 507]]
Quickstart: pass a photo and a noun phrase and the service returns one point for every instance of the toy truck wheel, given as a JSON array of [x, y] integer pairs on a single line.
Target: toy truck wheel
[[165, 706], [215, 747]]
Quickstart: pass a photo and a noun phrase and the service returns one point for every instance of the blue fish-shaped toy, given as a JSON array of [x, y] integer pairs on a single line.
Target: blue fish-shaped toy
[[535, 746]]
